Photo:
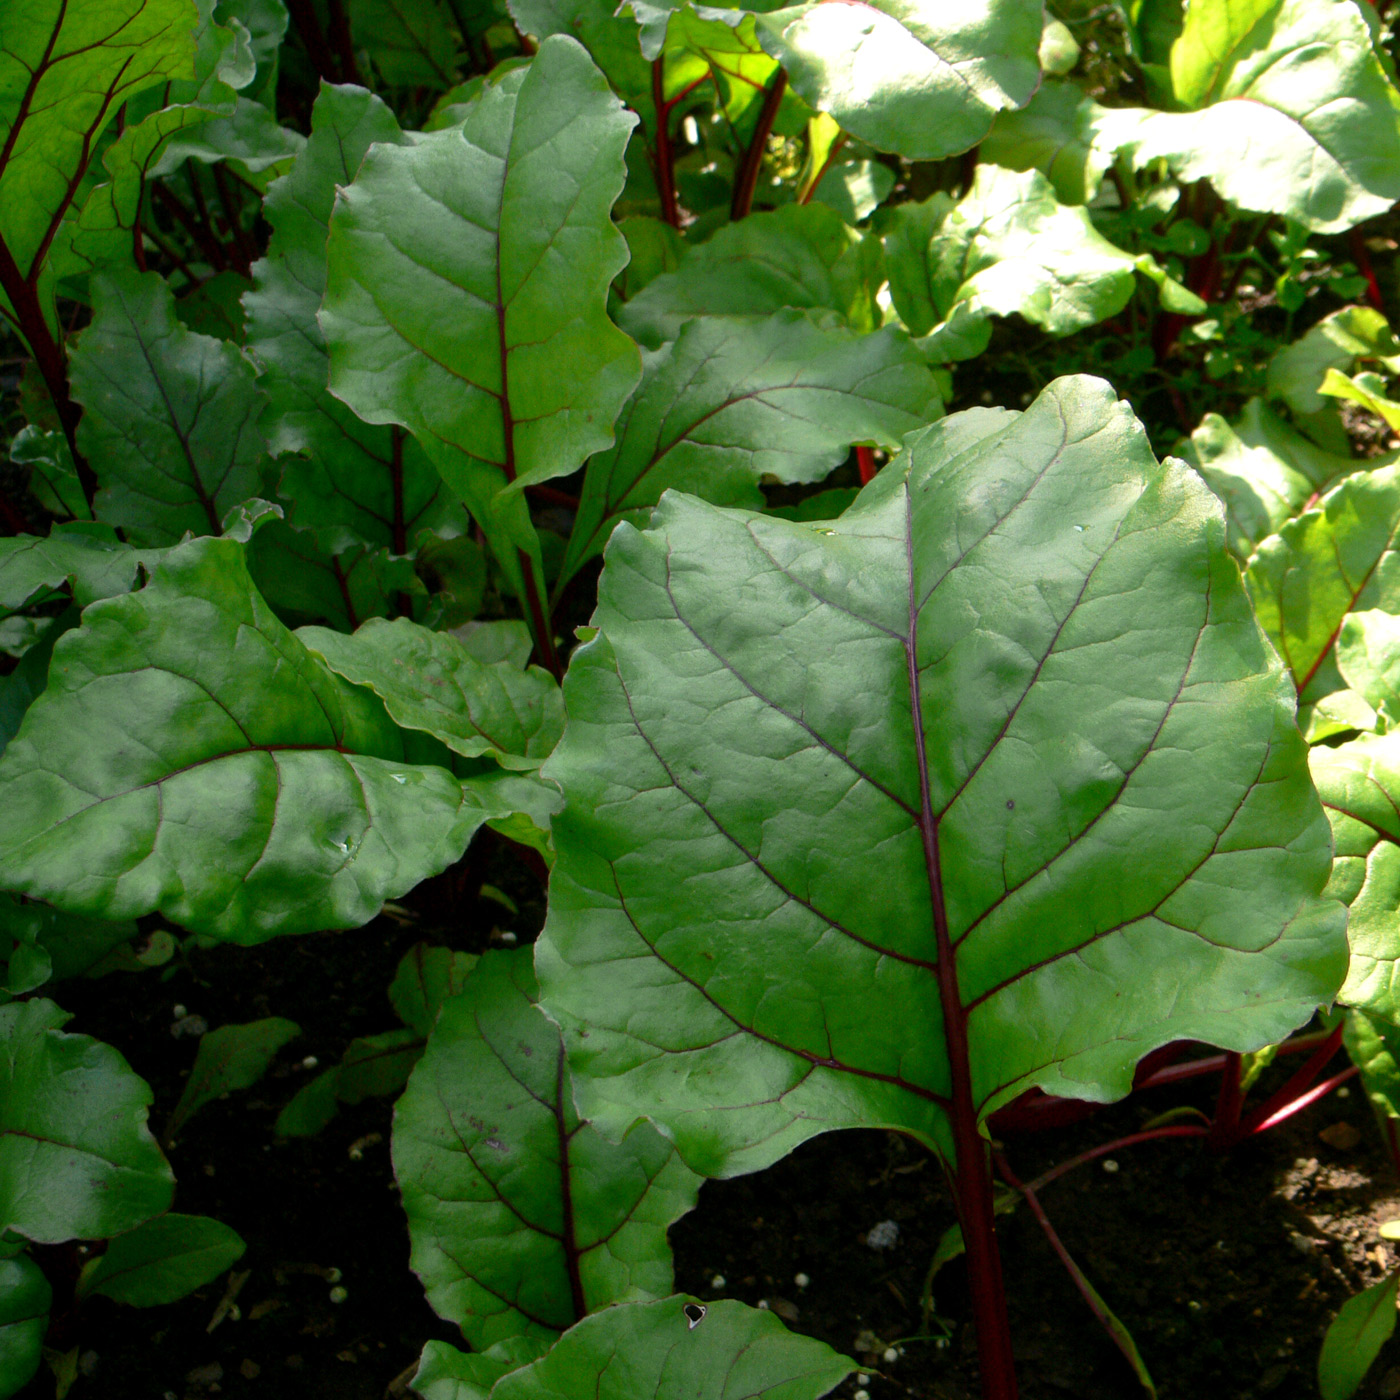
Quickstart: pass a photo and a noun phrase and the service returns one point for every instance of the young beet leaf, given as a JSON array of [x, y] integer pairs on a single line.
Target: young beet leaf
[[191, 756], [993, 782], [467, 292], [523, 1218], [25, 1297]]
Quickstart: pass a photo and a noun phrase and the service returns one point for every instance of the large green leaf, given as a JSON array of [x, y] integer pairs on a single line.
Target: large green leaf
[[1058, 134], [1332, 560], [445, 1373], [83, 556], [430, 681], [801, 255], [171, 417], [468, 285], [66, 68], [738, 400], [25, 1297], [652, 1350], [76, 1158], [162, 1260], [1008, 247], [522, 1217], [191, 756], [997, 765], [425, 977], [375, 482]]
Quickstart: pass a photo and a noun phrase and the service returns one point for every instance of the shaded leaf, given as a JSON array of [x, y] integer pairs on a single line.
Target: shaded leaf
[[240, 788], [801, 255], [25, 1297], [162, 1260], [375, 482], [1373, 1044], [1020, 680], [738, 400], [445, 1373], [490, 344], [425, 977], [649, 1349], [76, 1158], [375, 1066], [229, 1059], [170, 417], [84, 556], [430, 681], [408, 41], [523, 1218]]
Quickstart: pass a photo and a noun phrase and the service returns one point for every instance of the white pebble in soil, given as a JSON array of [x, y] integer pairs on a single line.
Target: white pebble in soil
[[718, 1282], [801, 1280], [883, 1235]]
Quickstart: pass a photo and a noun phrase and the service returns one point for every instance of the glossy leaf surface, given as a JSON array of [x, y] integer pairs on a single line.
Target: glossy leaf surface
[[523, 1218], [430, 681], [649, 1349], [76, 1158], [170, 416], [252, 792], [162, 1260], [1021, 655], [1355, 1338], [468, 284], [736, 400]]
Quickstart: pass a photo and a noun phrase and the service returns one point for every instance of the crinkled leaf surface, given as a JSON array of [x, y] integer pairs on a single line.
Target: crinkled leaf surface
[[66, 68], [1296, 371], [1057, 133], [191, 756], [170, 417], [85, 556], [76, 1158], [25, 1297], [229, 1059], [522, 1217], [1355, 1338], [1008, 247], [162, 1260], [377, 482], [801, 255], [735, 400], [1019, 680], [912, 76], [1368, 656], [445, 1373], [1328, 562], [430, 681], [650, 1350], [1263, 470], [468, 285]]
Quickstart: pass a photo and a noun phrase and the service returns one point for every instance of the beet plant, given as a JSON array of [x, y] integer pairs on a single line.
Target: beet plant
[[919, 770]]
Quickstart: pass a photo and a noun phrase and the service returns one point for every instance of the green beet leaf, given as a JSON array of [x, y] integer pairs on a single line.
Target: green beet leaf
[[170, 417], [408, 41], [1008, 247], [375, 482], [161, 1261], [1058, 134], [431, 682], [801, 255], [425, 978], [191, 757], [445, 1373], [737, 400], [66, 69], [1334, 559], [652, 1350], [1296, 371], [1373, 1043], [468, 285], [76, 1158], [229, 1059], [996, 768], [523, 1218], [1355, 1339], [25, 1297], [86, 557]]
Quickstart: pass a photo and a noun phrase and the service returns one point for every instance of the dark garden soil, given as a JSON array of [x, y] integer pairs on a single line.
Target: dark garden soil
[[1225, 1268]]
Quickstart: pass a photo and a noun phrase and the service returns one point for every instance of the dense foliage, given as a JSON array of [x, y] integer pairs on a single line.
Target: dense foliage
[[921, 760]]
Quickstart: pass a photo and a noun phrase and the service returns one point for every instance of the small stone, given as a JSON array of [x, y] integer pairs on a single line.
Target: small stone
[[1389, 1387], [1342, 1136], [179, 1011], [861, 1395], [891, 1355], [1110, 1166], [862, 1378], [339, 1294], [194, 1026], [249, 1369], [866, 1341], [883, 1235], [718, 1282], [1344, 1092], [1304, 1244], [508, 938], [801, 1280], [762, 1303], [310, 1062]]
